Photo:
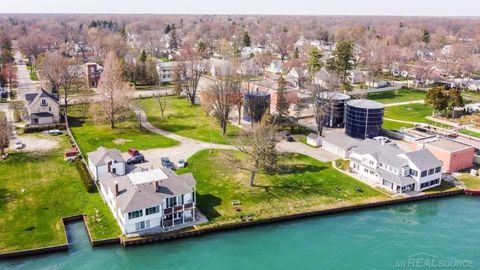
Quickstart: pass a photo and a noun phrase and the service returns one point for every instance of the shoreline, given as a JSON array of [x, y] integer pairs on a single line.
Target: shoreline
[[225, 227]]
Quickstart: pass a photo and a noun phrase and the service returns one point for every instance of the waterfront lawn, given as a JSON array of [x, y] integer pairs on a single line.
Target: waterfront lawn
[[303, 185], [471, 182], [182, 118], [36, 191], [90, 135], [443, 187], [401, 95]]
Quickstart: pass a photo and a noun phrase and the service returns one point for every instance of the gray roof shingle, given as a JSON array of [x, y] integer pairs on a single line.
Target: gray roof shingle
[[423, 159], [97, 158]]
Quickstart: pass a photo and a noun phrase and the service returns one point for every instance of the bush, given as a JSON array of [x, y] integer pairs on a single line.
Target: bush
[[35, 129], [85, 176]]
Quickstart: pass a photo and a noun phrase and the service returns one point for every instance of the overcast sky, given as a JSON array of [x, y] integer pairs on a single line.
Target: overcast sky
[[311, 7]]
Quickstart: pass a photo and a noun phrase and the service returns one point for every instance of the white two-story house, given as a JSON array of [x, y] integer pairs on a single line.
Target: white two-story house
[[42, 109], [166, 71], [106, 162], [389, 167], [152, 201]]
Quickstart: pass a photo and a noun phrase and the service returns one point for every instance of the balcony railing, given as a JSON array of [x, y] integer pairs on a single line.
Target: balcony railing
[[167, 211]]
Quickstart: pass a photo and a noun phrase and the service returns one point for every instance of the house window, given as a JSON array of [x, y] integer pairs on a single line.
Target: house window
[[135, 214], [438, 169], [152, 210], [147, 223], [424, 173], [140, 225], [43, 102], [430, 172], [114, 170], [413, 172], [171, 201]]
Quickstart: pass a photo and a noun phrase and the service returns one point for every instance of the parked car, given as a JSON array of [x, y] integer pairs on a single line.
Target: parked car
[[19, 144], [136, 159], [165, 160], [52, 132], [181, 163], [133, 152], [289, 138]]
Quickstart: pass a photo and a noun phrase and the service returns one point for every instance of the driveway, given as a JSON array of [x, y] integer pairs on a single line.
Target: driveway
[[300, 148]]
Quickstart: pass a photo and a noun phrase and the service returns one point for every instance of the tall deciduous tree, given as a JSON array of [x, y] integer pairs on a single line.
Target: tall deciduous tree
[[191, 70], [114, 92], [437, 98], [223, 95], [455, 99], [258, 145], [246, 42]]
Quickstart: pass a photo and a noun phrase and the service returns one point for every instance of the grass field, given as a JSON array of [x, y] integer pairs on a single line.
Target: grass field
[[36, 190], [303, 184], [184, 119], [392, 125], [90, 135], [469, 132], [471, 182], [402, 95]]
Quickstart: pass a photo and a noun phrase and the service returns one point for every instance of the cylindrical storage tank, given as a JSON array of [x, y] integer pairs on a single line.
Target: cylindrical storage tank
[[255, 105], [364, 118], [335, 110]]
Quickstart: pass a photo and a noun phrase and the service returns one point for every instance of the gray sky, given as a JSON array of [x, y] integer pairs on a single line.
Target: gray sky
[[311, 7]]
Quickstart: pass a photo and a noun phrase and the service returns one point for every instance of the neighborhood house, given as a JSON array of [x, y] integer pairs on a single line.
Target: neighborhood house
[[146, 201], [42, 109], [391, 168]]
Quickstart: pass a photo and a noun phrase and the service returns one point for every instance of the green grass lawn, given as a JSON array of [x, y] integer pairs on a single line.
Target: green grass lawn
[[392, 125], [36, 190], [182, 118], [471, 182], [469, 132], [401, 95], [303, 184], [90, 135]]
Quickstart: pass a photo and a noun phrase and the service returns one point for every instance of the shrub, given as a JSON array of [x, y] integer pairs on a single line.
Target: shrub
[[85, 176]]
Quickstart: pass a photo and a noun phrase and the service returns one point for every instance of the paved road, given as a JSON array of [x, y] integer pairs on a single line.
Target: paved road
[[25, 84]]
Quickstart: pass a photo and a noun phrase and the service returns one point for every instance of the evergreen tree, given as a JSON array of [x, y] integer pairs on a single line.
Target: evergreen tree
[[314, 63], [246, 40], [167, 29], [143, 56], [173, 38], [341, 61], [282, 104], [296, 53], [426, 36]]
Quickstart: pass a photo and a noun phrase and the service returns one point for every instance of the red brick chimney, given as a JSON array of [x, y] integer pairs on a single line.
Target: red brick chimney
[[117, 191], [155, 185]]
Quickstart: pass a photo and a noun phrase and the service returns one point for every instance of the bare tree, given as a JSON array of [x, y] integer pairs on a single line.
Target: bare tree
[[322, 99], [223, 95], [17, 107], [162, 104], [4, 134], [51, 69], [32, 44], [114, 92], [258, 145], [191, 71]]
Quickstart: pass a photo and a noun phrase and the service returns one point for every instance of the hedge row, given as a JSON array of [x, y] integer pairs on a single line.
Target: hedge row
[[86, 179], [34, 129]]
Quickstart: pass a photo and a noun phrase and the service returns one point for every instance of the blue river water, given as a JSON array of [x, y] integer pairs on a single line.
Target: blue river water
[[436, 234]]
